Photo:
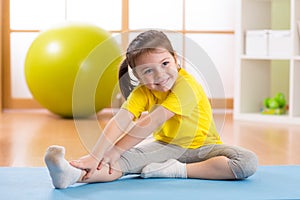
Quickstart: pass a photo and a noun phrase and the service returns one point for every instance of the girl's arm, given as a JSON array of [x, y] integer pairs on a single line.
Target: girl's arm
[[114, 129], [117, 126], [144, 127], [135, 134], [111, 133]]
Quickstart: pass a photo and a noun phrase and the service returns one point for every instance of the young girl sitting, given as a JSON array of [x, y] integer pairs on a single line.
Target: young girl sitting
[[186, 143]]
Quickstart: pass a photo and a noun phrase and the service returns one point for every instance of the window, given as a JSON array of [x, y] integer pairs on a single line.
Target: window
[[209, 23]]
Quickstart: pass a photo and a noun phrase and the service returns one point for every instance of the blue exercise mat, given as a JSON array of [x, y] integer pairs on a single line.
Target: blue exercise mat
[[269, 182]]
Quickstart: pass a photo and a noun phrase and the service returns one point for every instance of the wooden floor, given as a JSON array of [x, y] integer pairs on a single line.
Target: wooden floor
[[25, 135]]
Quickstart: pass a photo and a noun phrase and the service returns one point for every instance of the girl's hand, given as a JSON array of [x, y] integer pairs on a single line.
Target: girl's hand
[[87, 163], [110, 158]]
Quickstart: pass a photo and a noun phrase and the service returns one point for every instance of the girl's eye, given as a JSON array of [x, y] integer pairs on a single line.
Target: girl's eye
[[165, 63], [147, 71]]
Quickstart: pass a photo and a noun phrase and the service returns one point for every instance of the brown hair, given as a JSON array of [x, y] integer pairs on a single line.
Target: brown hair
[[145, 42]]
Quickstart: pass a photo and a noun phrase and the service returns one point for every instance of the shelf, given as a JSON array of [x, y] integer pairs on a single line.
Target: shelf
[[258, 117], [258, 77]]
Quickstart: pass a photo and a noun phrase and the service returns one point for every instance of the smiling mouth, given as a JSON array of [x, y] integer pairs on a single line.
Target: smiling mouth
[[163, 83]]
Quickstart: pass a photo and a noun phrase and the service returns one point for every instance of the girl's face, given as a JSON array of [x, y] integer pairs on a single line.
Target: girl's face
[[157, 70]]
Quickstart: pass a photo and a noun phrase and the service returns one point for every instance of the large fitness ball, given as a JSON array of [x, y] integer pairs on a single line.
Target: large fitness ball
[[72, 69]]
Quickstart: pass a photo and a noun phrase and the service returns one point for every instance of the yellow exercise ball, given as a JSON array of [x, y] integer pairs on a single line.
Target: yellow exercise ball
[[72, 69]]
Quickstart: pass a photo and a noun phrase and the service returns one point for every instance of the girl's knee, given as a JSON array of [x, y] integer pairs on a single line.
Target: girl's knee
[[245, 165], [250, 165]]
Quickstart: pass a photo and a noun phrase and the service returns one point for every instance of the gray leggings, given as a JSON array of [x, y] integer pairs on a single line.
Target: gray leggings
[[242, 162]]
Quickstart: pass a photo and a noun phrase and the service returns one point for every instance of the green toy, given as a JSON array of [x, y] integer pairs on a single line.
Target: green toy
[[275, 105]]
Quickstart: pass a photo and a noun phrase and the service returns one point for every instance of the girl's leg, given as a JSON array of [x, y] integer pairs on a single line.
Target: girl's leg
[[209, 162], [64, 175], [103, 175], [213, 168], [61, 172], [132, 161], [242, 162], [135, 159]]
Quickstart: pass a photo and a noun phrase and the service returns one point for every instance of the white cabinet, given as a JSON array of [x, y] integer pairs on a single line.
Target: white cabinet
[[260, 76]]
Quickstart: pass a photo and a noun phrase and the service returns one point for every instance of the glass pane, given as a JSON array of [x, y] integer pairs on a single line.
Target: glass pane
[[36, 14], [103, 13], [220, 49], [210, 14], [20, 42], [166, 14]]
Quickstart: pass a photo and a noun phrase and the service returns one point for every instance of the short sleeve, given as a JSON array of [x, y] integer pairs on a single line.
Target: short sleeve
[[136, 102]]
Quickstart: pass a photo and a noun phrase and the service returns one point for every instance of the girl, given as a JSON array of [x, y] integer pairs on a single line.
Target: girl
[[186, 143]]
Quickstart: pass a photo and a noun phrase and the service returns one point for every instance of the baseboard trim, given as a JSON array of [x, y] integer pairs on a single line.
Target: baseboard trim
[[216, 103]]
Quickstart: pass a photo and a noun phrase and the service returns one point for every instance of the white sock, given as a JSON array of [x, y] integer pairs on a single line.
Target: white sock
[[171, 168], [61, 172]]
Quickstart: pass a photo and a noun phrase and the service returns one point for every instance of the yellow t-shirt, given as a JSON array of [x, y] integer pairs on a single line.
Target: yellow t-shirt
[[192, 125]]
